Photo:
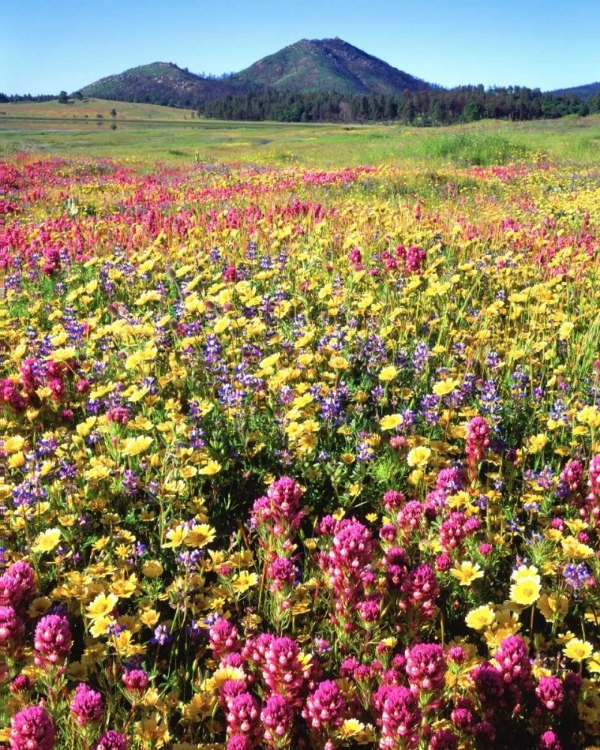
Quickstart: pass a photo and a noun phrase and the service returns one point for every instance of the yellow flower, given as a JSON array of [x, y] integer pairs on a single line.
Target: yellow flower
[[46, 541], [418, 456], [14, 444], [480, 618], [525, 571], [244, 581], [565, 330], [176, 537], [537, 443], [150, 617], [390, 422], [388, 374], [339, 363], [553, 606], [100, 626], [200, 536], [101, 606], [577, 650], [152, 569], [525, 591], [135, 446], [466, 573], [211, 468], [589, 415], [444, 387]]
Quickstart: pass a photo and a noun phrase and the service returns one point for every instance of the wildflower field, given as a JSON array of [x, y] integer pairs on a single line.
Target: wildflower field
[[299, 458]]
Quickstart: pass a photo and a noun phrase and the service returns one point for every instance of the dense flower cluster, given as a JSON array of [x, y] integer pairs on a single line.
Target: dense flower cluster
[[298, 458]]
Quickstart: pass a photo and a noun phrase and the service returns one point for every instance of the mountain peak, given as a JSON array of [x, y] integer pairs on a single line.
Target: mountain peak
[[328, 64]]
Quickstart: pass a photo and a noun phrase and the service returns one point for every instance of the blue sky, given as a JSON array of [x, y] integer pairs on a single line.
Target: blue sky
[[49, 45]]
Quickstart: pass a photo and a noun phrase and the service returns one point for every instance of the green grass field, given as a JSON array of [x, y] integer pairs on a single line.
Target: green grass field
[[172, 135]]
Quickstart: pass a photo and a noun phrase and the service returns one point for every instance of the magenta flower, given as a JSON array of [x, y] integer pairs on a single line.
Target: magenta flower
[[426, 667], [488, 683], [281, 573], [240, 742], [31, 729], [325, 707], [550, 693], [443, 739], [572, 475], [242, 716], [52, 639], [549, 741], [277, 718], [420, 590], [223, 637], [283, 671], [400, 718], [11, 592], [231, 689], [23, 575], [111, 740], [135, 680], [87, 705], [11, 627], [513, 663]]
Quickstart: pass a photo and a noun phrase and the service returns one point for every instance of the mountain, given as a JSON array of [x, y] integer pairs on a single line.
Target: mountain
[[306, 66], [583, 92], [328, 65], [160, 83]]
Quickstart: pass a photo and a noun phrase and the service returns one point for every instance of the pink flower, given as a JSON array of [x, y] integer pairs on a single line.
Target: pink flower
[[11, 627], [135, 680], [400, 718], [426, 667], [550, 693], [223, 637], [31, 729], [242, 716], [325, 707], [87, 705], [22, 574], [277, 718], [513, 663], [549, 741], [240, 742], [283, 671], [111, 740], [52, 639], [443, 739]]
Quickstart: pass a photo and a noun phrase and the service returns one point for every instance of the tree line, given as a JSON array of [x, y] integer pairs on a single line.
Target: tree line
[[427, 108]]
